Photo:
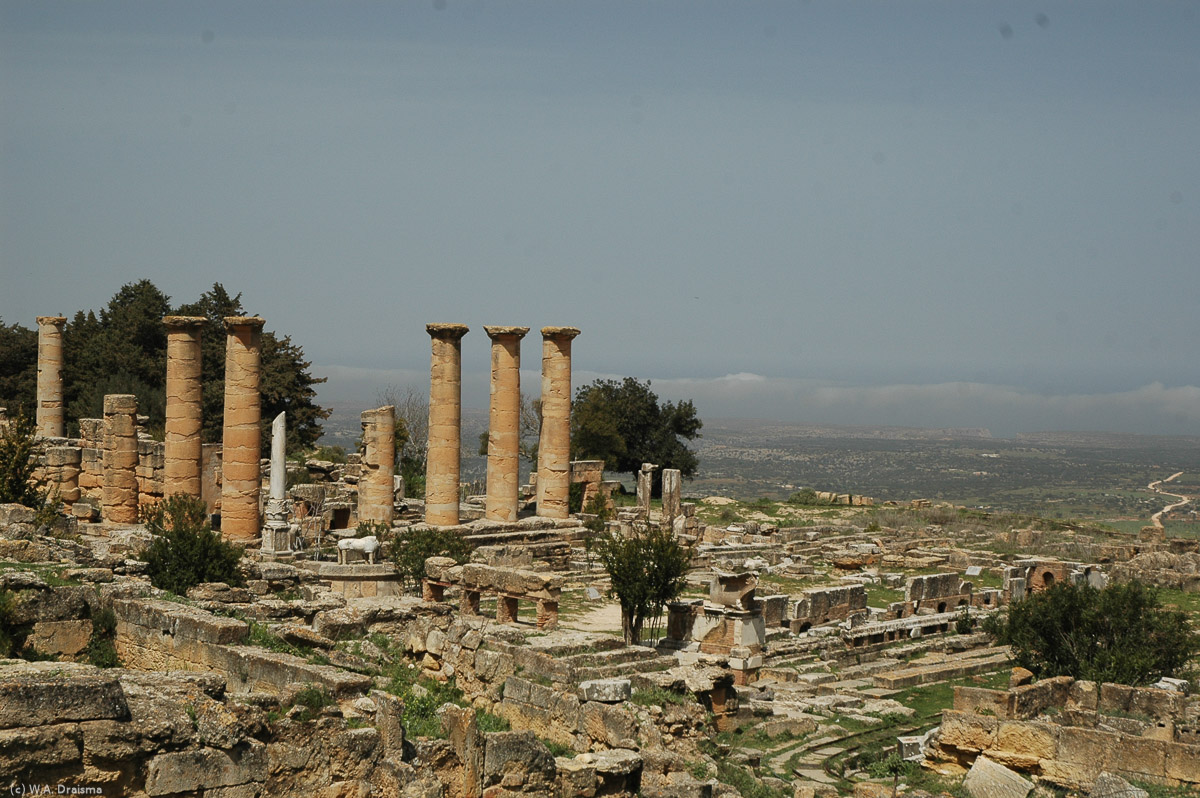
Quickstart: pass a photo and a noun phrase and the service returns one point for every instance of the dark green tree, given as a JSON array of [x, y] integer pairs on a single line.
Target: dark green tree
[[413, 546], [18, 366], [1119, 634], [18, 458], [623, 424], [287, 384]]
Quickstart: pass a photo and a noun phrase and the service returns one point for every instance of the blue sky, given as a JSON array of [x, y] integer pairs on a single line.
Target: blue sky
[[926, 213]]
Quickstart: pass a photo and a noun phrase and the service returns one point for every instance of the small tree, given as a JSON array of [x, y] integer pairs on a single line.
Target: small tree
[[594, 526], [647, 568], [1119, 634], [412, 547], [18, 458], [185, 550]]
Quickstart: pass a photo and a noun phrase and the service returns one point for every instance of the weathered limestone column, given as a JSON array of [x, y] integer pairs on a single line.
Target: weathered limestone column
[[554, 442], [120, 497], [49, 377], [241, 438], [671, 493], [504, 424], [376, 488], [445, 417], [182, 452]]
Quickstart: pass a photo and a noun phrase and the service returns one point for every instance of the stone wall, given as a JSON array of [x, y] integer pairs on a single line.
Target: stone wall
[[1067, 732]]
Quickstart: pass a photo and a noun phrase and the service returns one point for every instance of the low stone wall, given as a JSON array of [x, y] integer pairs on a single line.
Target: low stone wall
[[157, 635], [1085, 729], [824, 605]]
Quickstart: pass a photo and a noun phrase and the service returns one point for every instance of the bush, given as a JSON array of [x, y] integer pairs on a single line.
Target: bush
[[186, 551], [1119, 634], [412, 547], [101, 649], [964, 624]]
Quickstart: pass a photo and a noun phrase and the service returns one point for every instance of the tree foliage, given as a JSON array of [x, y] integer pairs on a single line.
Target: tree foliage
[[18, 366], [18, 459], [623, 424], [647, 568], [185, 550], [124, 350], [412, 547], [1119, 634]]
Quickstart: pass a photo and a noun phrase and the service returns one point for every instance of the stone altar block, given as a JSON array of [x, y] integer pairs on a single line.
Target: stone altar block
[[360, 580]]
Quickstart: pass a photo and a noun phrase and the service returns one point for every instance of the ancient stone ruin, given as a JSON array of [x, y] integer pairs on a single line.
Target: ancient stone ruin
[[793, 653]]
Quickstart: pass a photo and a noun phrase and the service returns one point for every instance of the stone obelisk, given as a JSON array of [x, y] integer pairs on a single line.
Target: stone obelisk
[[554, 443], [504, 424], [445, 418], [183, 447], [276, 533], [241, 439], [49, 377]]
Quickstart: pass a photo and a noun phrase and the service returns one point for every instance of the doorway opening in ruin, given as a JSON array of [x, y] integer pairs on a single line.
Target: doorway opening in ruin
[[1047, 580], [941, 606], [341, 518]]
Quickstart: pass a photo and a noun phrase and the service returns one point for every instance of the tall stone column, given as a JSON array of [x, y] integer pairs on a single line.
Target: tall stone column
[[445, 418], [119, 501], [376, 488], [241, 438], [554, 443], [49, 377], [504, 424], [182, 450]]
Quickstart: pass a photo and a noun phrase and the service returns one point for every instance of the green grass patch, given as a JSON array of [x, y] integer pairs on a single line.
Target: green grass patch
[[657, 696]]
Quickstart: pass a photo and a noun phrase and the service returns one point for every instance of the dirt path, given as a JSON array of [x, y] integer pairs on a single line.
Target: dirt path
[[605, 618], [1156, 519]]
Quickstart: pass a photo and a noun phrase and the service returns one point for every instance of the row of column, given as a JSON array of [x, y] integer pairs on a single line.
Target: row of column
[[504, 433], [241, 436]]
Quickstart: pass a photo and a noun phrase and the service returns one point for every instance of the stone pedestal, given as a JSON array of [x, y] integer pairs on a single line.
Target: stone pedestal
[[504, 424], [360, 580], [554, 444], [445, 417], [376, 485], [242, 435], [120, 497], [182, 451], [49, 377]]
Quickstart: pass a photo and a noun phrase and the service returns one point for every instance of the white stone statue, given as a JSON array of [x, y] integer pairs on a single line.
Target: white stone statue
[[368, 546]]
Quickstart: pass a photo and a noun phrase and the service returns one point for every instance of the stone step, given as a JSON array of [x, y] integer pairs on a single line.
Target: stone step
[[627, 668]]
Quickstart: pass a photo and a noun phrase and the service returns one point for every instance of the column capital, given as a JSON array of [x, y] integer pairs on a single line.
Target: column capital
[[560, 332], [449, 332], [237, 322], [495, 332], [57, 321], [183, 322]]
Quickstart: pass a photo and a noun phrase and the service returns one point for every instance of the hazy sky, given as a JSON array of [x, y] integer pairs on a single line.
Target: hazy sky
[[917, 213]]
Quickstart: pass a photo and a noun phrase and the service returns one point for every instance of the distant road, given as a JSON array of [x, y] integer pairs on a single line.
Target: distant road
[[1156, 519]]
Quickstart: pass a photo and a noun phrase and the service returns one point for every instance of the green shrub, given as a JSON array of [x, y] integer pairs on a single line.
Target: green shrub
[[422, 698], [312, 700], [413, 546], [185, 550], [805, 497], [8, 633], [1119, 634], [101, 648], [964, 624]]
